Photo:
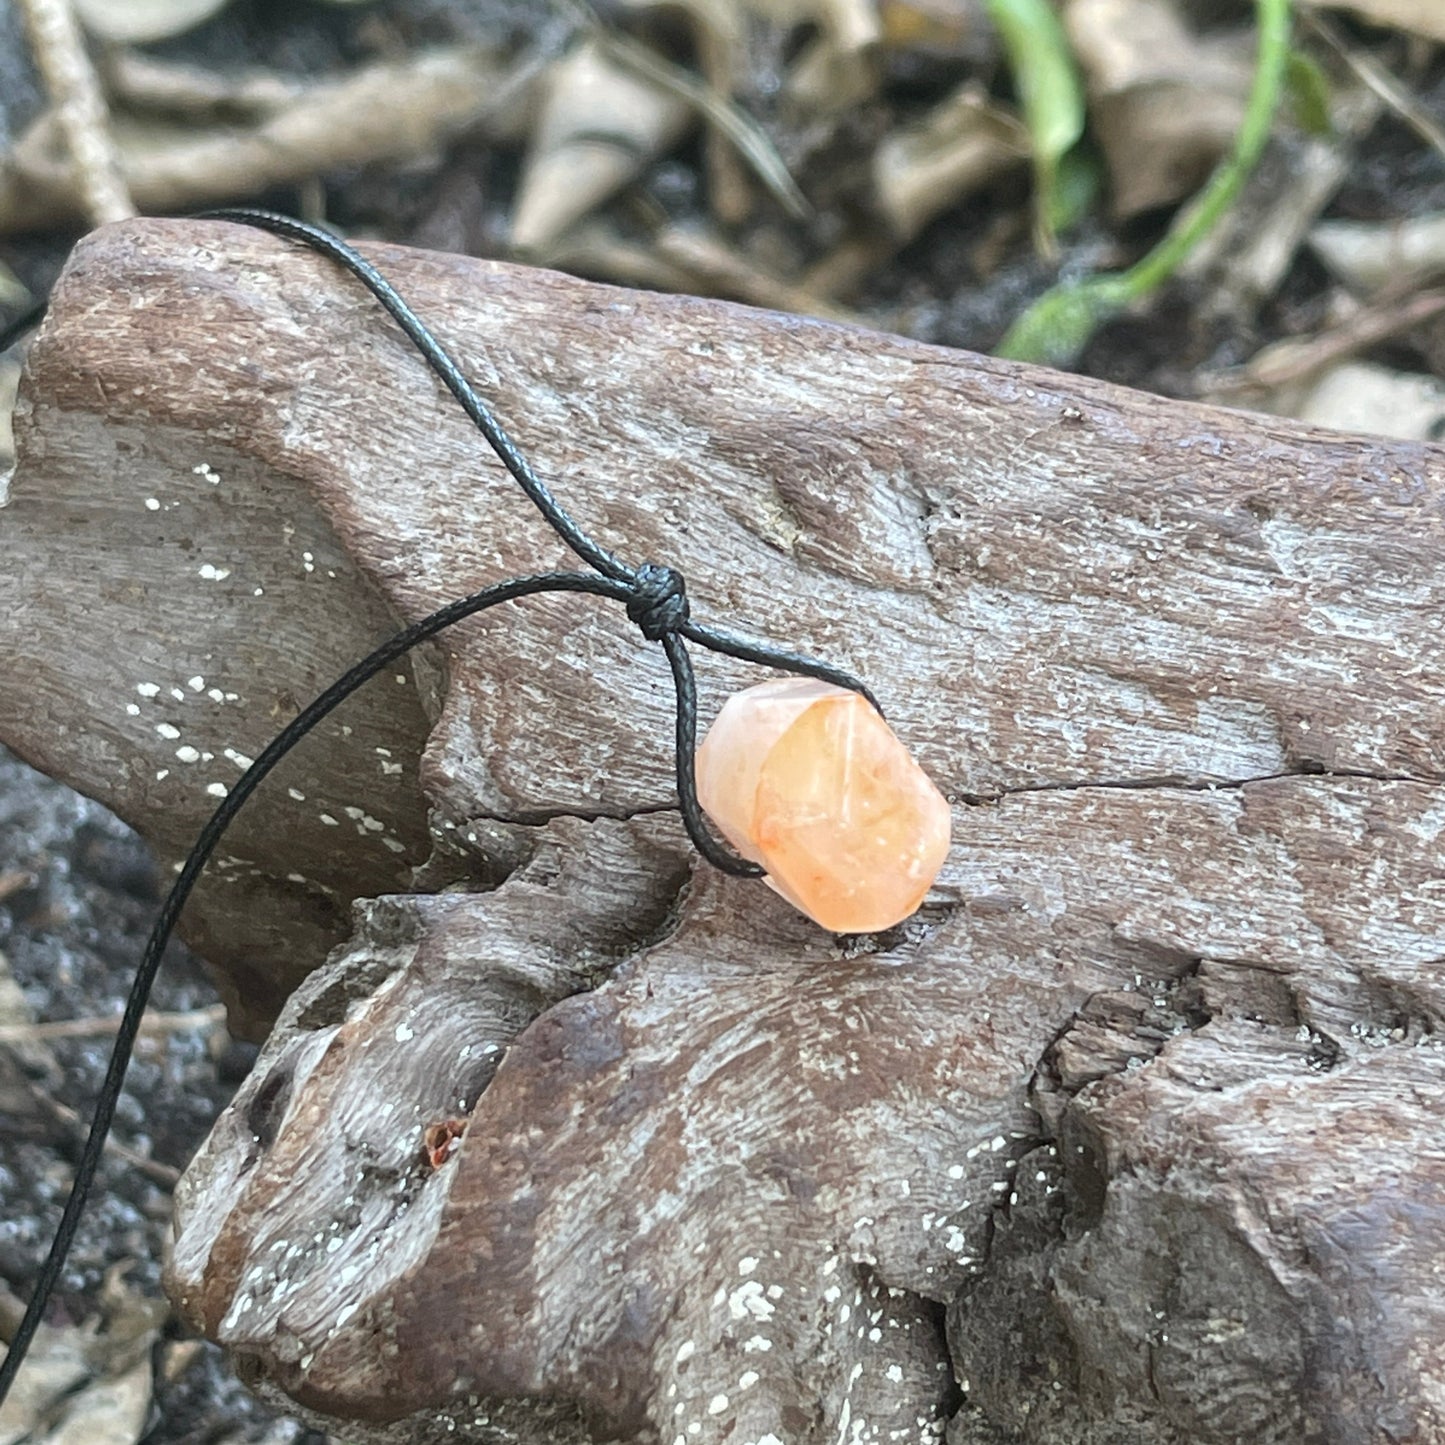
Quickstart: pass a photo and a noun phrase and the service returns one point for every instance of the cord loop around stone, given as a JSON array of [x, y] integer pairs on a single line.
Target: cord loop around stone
[[658, 604]]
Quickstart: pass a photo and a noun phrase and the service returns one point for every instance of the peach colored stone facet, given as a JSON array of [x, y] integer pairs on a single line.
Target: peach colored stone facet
[[807, 779]]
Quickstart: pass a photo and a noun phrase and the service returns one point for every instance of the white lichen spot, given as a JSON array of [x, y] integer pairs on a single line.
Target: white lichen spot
[[295, 877], [188, 754], [215, 694], [153, 504], [328, 820], [132, 709], [258, 592], [213, 574], [162, 774], [178, 694], [717, 1404], [685, 1352], [747, 1299], [196, 683], [168, 731], [401, 679], [757, 1345], [775, 1291], [955, 1171], [395, 844], [296, 795], [240, 759], [747, 1265], [748, 1379], [404, 1033], [147, 689], [216, 790], [895, 1374]]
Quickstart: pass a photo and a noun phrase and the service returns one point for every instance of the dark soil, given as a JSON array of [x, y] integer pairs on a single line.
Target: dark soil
[[80, 892]]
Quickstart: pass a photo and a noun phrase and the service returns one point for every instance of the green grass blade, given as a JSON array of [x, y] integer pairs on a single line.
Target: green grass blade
[[1052, 98], [1057, 327]]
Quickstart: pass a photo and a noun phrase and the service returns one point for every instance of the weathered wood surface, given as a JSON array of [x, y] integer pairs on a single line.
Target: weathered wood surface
[[1134, 1133]]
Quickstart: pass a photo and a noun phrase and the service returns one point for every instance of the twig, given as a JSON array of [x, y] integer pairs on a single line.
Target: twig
[[80, 108], [387, 111], [749, 138], [1297, 359], [1381, 81], [153, 1169], [98, 1028]]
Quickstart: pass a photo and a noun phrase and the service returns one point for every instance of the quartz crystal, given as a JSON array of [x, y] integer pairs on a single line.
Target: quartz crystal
[[806, 779]]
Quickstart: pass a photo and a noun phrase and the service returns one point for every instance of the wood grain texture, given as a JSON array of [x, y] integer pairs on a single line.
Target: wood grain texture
[[1130, 1135]]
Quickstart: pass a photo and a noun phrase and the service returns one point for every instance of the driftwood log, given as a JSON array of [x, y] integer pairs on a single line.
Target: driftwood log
[[1132, 1135]]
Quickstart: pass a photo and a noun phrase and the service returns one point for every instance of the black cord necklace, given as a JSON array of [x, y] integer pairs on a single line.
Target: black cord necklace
[[655, 599]]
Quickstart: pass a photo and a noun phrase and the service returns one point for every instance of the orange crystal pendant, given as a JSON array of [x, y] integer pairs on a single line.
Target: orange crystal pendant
[[806, 779]]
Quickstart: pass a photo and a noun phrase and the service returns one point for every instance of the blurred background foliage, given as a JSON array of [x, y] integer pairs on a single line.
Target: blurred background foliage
[[1158, 191]]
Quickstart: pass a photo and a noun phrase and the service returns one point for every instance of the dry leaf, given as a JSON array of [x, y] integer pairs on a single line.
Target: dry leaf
[[936, 26], [1165, 103], [963, 143], [601, 124], [9, 381], [58, 1361], [1369, 255], [135, 22], [1419, 17], [387, 111], [45, 1407], [113, 1409], [1360, 397]]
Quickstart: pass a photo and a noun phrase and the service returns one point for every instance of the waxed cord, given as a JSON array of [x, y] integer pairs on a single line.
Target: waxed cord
[[654, 596]]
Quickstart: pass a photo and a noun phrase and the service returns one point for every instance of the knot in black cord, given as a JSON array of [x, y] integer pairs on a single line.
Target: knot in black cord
[[656, 601], [658, 604]]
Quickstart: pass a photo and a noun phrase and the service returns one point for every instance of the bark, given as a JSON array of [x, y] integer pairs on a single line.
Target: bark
[[1130, 1135]]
